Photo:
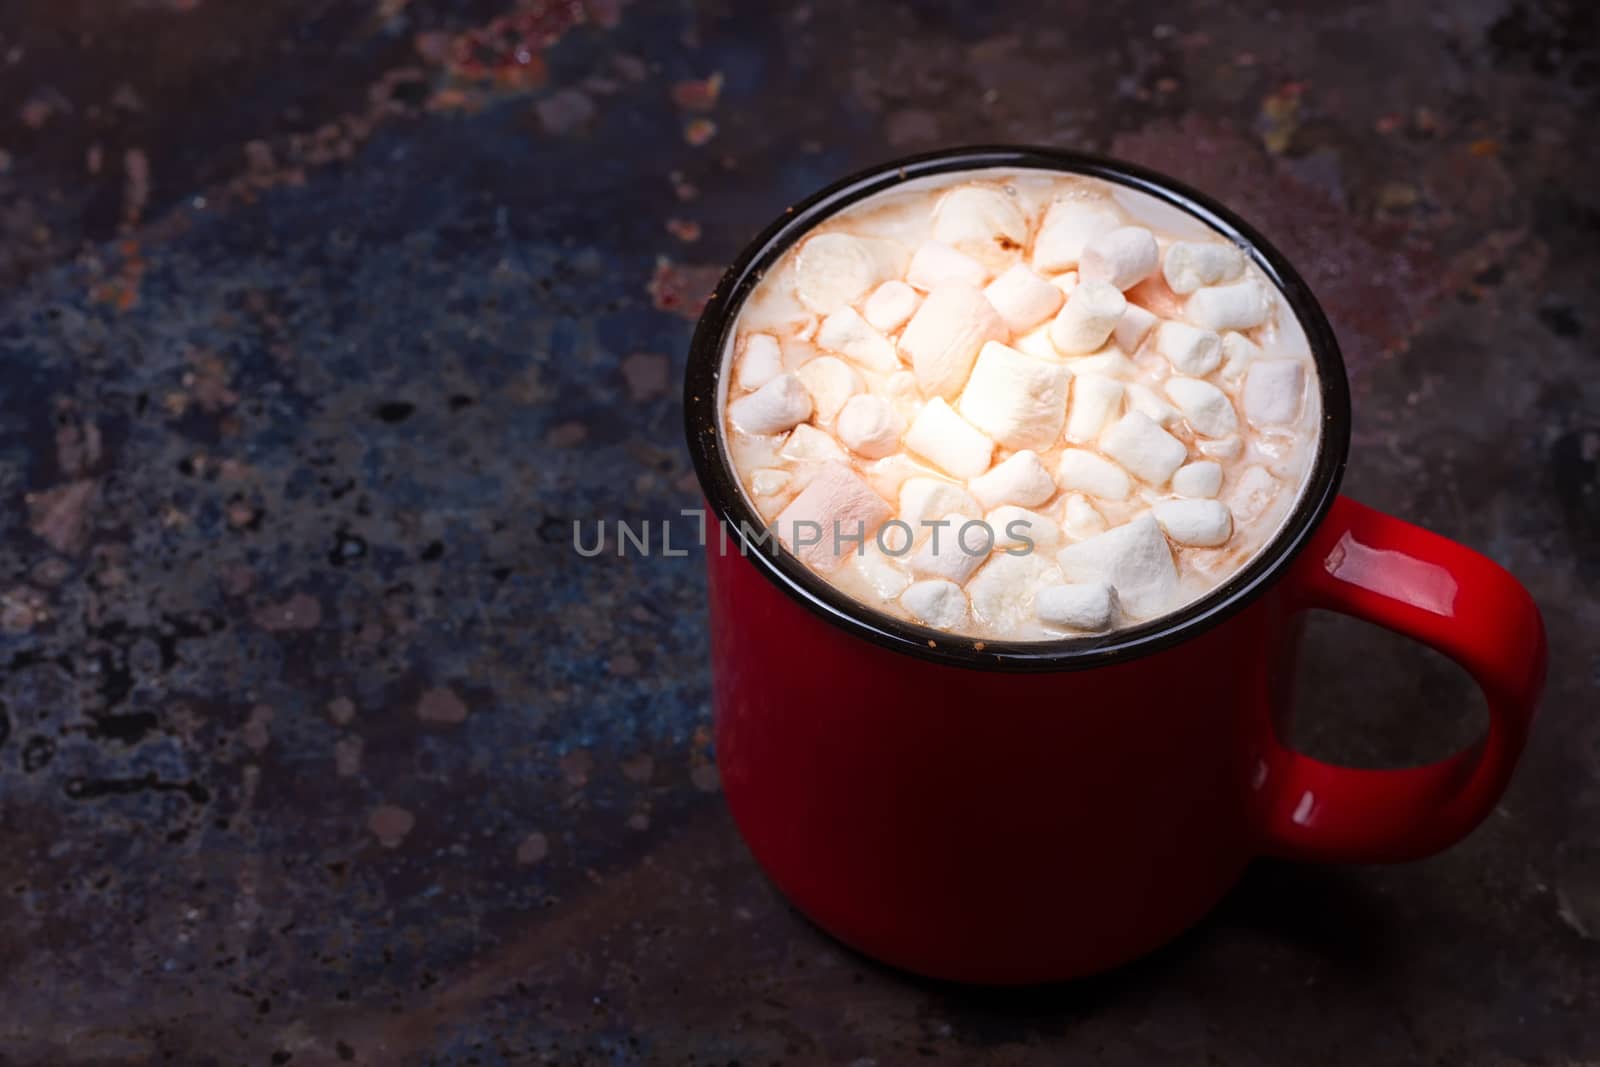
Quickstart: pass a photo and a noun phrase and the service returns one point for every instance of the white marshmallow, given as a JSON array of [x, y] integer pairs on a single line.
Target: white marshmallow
[[943, 337], [1069, 225], [890, 305], [1094, 400], [768, 481], [1144, 448], [1188, 265], [1222, 448], [1086, 607], [836, 500], [777, 406], [1207, 408], [936, 603], [1273, 390], [1021, 479], [760, 362], [882, 574], [1107, 363], [1093, 474], [1143, 399], [1022, 298], [889, 474], [901, 390], [936, 264], [830, 381], [1036, 343], [1016, 399], [1202, 523], [923, 498], [982, 222], [869, 426], [1133, 559], [1238, 352], [807, 444], [797, 353], [1193, 352], [946, 554], [1087, 318], [835, 269], [1252, 494], [1124, 257], [1239, 306], [1017, 528], [1132, 327], [1079, 518], [948, 441], [1202, 478], [847, 333], [1066, 282], [1003, 590]]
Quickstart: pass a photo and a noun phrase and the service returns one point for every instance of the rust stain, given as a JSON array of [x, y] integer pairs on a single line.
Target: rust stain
[[698, 94], [682, 289]]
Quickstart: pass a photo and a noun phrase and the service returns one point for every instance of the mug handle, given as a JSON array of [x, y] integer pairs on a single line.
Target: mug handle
[[1368, 565]]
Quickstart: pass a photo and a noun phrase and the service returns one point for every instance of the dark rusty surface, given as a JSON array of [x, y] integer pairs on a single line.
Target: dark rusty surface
[[320, 322]]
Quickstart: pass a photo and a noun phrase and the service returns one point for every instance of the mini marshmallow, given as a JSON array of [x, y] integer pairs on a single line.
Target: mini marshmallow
[[1202, 478], [835, 269], [890, 305], [830, 381], [888, 475], [777, 406], [882, 574], [923, 498], [901, 391], [936, 603], [1036, 343], [1124, 257], [1273, 389], [1093, 474], [946, 554], [1131, 329], [1016, 399], [768, 481], [935, 264], [847, 333], [1252, 494], [806, 443], [761, 361], [836, 499], [1144, 448], [1003, 590], [1094, 400], [1193, 352], [1230, 447], [1201, 523], [1019, 528], [1069, 225], [943, 337], [948, 441], [1107, 363], [1066, 282], [1238, 352], [869, 426], [1021, 479], [1207, 408], [1143, 399], [1188, 265], [1239, 306], [1022, 298], [1088, 317], [982, 222], [1079, 518], [1088, 606], [797, 353], [1133, 559]]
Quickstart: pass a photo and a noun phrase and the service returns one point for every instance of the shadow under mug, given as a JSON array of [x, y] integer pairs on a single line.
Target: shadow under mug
[[1007, 812]]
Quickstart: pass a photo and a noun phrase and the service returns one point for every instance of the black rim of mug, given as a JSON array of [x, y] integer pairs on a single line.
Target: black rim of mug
[[702, 419]]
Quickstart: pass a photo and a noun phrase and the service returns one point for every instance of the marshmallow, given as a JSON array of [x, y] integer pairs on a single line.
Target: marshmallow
[[1132, 327], [1066, 282], [830, 381], [947, 554], [1094, 400], [1021, 479], [1069, 225], [1229, 307], [768, 481], [847, 333], [1107, 363], [761, 361], [1188, 265], [890, 305], [948, 441], [889, 474], [1003, 590], [936, 603], [1238, 352], [1079, 518], [1133, 559], [1075, 607], [1036, 343], [1223, 448], [1093, 474], [1016, 399], [881, 573], [1202, 523], [1087, 318], [1142, 398], [923, 498], [797, 353], [1207, 408], [1124, 257], [935, 264], [901, 390], [1273, 389], [869, 426], [1252, 494], [777, 406], [835, 506], [1022, 298], [1202, 478], [807, 444], [1021, 529], [835, 269], [1193, 352], [982, 222], [943, 337], [1144, 448]]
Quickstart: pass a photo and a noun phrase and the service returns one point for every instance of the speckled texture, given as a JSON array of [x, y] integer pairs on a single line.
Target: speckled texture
[[319, 745]]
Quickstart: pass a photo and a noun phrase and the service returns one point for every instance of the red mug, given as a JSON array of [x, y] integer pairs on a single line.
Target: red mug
[[1007, 812]]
